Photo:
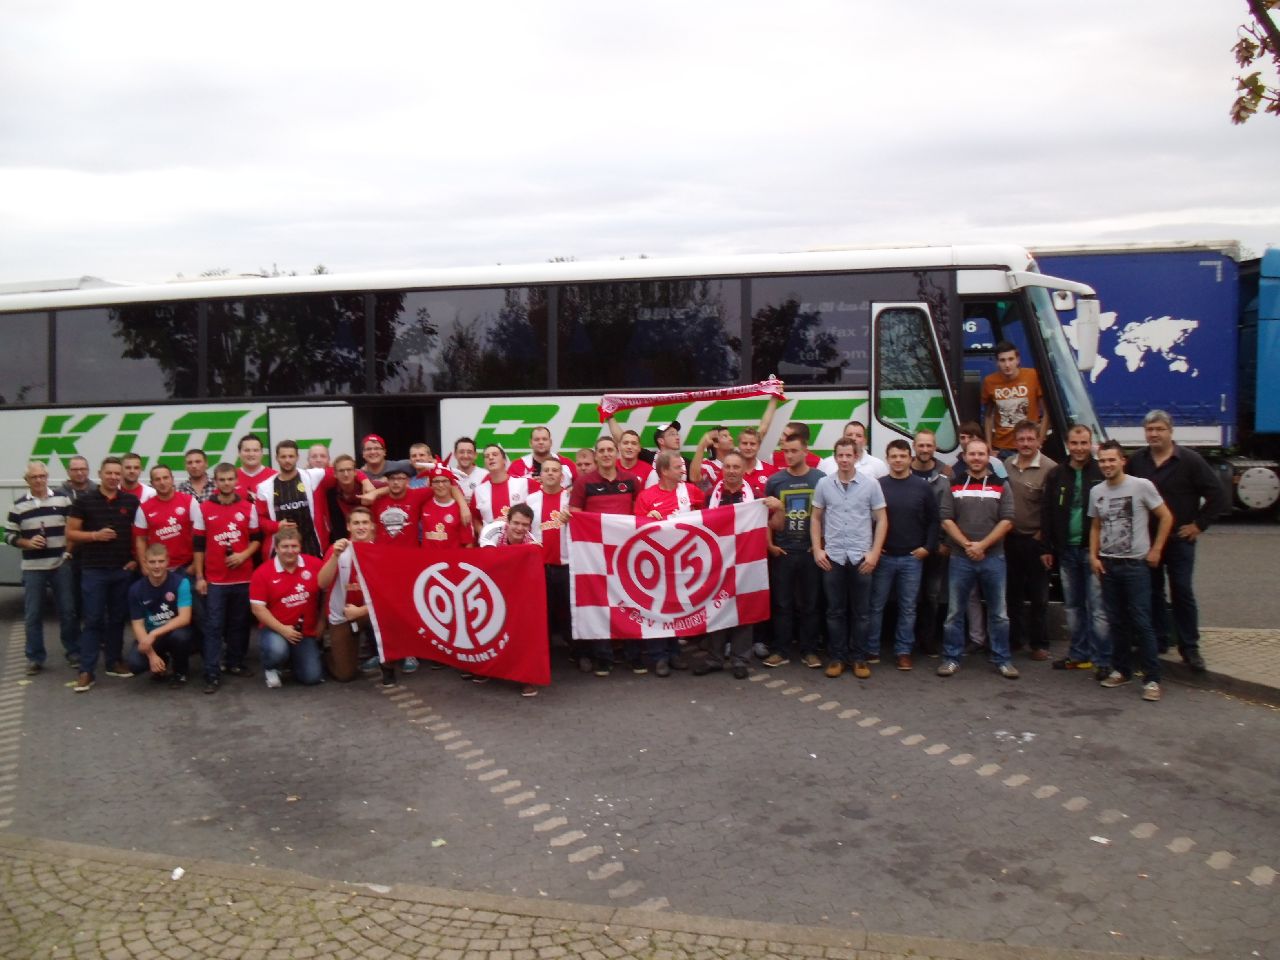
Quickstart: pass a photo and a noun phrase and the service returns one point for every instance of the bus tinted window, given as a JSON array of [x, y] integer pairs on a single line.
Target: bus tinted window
[[462, 340], [811, 330], [911, 392], [287, 346], [24, 361], [651, 333], [112, 355]]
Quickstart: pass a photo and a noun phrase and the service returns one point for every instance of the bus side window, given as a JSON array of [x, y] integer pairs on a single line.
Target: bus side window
[[910, 391]]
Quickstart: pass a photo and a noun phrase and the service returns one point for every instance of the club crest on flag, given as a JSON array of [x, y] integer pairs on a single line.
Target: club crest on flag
[[670, 570], [464, 617]]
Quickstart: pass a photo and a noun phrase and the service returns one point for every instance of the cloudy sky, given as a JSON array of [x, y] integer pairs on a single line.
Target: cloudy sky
[[143, 140]]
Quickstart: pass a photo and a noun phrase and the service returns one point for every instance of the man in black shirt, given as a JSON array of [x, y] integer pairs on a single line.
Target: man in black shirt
[[101, 527], [1192, 491]]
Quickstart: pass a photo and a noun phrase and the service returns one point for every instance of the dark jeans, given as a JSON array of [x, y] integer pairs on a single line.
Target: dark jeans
[[1179, 565], [903, 575], [557, 600], [226, 618], [793, 586], [932, 604], [61, 582], [848, 594], [1126, 591], [989, 574], [1082, 601], [1027, 595], [303, 656], [105, 599], [175, 646]]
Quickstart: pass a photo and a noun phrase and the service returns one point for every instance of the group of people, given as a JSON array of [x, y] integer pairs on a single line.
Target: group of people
[[965, 552]]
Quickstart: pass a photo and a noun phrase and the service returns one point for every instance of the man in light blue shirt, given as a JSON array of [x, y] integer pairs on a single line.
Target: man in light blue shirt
[[848, 530]]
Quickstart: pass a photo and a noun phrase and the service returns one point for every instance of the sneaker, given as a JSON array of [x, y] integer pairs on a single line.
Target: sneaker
[[740, 671], [812, 661], [1008, 671], [873, 658], [177, 681], [776, 660], [84, 683], [211, 686], [835, 669], [388, 676], [480, 679], [662, 668], [1151, 690], [948, 668], [861, 670], [119, 669], [602, 668], [1066, 663], [1115, 679], [760, 650], [585, 665], [904, 661], [1039, 654], [241, 671], [33, 668], [273, 679], [639, 669], [370, 665], [410, 664], [528, 690]]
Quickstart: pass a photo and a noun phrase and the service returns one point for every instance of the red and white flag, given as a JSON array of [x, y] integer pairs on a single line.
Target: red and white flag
[[483, 611], [690, 574]]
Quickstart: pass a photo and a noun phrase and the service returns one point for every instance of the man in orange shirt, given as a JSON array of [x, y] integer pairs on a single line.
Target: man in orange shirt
[[1009, 396]]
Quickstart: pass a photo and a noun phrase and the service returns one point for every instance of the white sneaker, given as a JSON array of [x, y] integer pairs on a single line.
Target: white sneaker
[[1151, 690], [272, 678]]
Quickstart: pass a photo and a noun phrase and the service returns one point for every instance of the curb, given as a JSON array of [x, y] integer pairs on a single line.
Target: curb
[[778, 934], [1211, 681]]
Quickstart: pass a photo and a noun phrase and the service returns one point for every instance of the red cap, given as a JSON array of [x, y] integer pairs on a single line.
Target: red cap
[[439, 471], [375, 438]]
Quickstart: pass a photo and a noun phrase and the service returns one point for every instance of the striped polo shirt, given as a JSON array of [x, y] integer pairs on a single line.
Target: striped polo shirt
[[30, 518]]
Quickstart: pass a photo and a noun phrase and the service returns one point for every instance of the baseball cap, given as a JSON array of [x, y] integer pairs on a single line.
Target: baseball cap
[[374, 438], [399, 466]]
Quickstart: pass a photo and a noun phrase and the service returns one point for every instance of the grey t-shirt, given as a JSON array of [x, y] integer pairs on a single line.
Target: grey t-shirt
[[1125, 509]]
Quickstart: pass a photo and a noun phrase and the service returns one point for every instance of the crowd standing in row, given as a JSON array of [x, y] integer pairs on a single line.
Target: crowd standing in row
[[189, 567]]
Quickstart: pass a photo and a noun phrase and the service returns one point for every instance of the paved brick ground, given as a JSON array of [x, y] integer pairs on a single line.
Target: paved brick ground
[[65, 900], [1244, 662]]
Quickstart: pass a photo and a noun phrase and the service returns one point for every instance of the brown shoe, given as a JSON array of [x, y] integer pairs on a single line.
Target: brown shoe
[[861, 670], [84, 683], [834, 669], [1039, 654], [904, 661]]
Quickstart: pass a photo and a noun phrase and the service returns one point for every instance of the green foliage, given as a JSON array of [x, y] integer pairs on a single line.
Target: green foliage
[[1259, 42]]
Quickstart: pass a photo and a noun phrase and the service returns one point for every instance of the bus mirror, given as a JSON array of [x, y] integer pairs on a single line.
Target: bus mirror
[[1088, 329]]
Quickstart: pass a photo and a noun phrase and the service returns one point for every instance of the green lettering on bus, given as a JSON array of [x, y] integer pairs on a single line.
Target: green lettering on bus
[[217, 425], [58, 439], [585, 429], [126, 438], [526, 416]]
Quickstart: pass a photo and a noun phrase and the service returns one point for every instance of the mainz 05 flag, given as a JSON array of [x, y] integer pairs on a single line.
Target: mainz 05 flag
[[483, 611], [687, 575]]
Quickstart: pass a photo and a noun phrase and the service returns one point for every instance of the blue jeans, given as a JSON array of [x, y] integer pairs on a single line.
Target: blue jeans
[[1086, 615], [104, 593], [793, 586], [62, 582], [848, 595], [907, 573], [226, 615], [303, 656], [989, 574], [1126, 590], [1179, 563], [176, 645]]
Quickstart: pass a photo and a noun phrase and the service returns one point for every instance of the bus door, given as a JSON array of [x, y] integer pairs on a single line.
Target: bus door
[[910, 390], [311, 423]]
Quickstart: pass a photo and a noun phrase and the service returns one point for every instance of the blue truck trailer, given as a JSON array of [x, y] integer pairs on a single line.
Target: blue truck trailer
[[1194, 329]]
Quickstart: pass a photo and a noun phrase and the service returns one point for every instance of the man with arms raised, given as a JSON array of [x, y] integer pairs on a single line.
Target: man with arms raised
[[977, 514], [629, 455], [100, 524], [226, 539], [755, 471], [1122, 555], [282, 596], [160, 614], [847, 532]]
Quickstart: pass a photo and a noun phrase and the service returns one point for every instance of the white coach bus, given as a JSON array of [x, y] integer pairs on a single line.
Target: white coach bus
[[876, 335]]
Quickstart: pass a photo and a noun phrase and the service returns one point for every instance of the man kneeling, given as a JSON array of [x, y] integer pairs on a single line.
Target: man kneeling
[[282, 595], [160, 613]]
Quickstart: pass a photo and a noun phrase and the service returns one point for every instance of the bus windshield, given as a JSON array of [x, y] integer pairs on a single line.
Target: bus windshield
[[1065, 380]]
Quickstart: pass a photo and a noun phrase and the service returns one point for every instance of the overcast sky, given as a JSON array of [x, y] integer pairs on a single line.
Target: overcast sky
[[143, 140]]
